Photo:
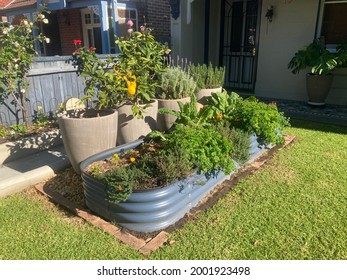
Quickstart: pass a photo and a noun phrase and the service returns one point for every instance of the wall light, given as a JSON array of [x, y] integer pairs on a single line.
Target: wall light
[[269, 13]]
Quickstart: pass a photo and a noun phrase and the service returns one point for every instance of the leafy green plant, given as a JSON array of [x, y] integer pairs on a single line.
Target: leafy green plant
[[222, 105], [41, 119], [207, 76], [262, 119], [189, 114], [19, 128], [3, 131], [103, 84], [174, 83], [140, 61], [208, 150], [318, 58]]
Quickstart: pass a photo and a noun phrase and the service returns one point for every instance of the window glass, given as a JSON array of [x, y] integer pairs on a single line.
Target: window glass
[[334, 22]]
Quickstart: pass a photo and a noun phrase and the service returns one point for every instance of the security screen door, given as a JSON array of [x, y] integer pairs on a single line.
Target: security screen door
[[239, 42]]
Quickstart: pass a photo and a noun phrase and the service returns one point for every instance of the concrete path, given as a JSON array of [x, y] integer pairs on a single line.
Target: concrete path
[[30, 170]]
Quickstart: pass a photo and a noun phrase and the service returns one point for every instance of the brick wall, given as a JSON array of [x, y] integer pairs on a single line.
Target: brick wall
[[158, 15], [70, 30]]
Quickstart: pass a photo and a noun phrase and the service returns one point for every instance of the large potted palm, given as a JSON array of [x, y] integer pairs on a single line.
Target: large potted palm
[[322, 63]]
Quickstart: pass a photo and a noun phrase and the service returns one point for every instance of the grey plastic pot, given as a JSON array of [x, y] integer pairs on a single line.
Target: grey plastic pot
[[83, 137], [130, 128], [165, 121], [318, 87], [203, 94], [155, 209]]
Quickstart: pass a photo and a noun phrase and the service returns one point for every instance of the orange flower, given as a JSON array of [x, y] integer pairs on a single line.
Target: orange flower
[[219, 116]]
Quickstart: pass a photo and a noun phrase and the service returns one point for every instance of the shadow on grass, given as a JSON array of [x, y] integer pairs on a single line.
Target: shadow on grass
[[311, 125]]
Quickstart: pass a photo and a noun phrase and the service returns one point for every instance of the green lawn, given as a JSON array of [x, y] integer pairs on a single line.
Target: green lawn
[[293, 208]]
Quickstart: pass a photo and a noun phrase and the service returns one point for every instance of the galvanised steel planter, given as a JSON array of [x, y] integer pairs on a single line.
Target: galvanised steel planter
[[155, 209]]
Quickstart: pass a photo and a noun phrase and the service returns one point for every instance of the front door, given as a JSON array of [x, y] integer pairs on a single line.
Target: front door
[[239, 42]]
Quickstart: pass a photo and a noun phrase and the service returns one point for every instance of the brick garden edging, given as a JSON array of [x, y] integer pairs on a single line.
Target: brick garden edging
[[152, 244]]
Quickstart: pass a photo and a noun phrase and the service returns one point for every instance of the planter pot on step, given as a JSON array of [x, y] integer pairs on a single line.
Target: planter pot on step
[[165, 121], [318, 87], [154, 209], [83, 137], [130, 128], [203, 94]]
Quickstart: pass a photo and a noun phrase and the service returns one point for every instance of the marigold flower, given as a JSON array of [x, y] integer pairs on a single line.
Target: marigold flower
[[219, 116], [116, 156], [132, 159]]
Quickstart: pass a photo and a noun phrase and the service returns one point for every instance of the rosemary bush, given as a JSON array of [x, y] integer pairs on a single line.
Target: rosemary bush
[[207, 76]]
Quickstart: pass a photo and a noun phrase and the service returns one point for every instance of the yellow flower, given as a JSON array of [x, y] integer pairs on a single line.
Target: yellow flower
[[132, 159], [39, 108], [131, 88], [116, 156]]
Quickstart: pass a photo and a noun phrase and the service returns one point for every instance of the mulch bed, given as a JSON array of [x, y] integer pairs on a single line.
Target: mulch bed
[[65, 189]]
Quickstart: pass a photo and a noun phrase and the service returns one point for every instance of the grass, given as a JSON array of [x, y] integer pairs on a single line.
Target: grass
[[293, 208]]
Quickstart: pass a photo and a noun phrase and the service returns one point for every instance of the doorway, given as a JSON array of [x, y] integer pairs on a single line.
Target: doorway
[[239, 42]]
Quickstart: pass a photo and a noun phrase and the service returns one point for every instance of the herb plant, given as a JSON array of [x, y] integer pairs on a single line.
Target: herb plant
[[174, 83], [207, 76]]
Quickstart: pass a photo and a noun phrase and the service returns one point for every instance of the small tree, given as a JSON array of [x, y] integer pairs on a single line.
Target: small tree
[[17, 49]]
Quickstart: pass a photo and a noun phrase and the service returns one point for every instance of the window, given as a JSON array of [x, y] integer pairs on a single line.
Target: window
[[91, 27], [125, 14], [334, 22]]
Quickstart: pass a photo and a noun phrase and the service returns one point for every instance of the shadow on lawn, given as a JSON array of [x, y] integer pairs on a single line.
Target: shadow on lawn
[[311, 125]]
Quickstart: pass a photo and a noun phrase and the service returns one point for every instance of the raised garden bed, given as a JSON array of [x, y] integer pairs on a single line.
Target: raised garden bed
[[154, 209]]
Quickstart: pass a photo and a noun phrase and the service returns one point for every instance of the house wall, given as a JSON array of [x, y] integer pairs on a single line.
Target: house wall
[[158, 15], [188, 32], [293, 26]]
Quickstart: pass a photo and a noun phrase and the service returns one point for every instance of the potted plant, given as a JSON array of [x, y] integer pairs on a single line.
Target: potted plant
[[208, 79], [322, 63], [151, 183], [175, 85], [140, 61], [86, 131]]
